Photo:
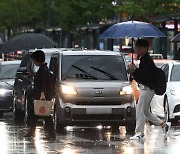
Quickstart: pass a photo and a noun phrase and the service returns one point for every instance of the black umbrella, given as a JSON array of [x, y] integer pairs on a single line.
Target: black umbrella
[[176, 38], [27, 41]]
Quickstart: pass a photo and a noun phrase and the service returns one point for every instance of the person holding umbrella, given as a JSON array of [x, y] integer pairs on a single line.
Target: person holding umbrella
[[143, 75]]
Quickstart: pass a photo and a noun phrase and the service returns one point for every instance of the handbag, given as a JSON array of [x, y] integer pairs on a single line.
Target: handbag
[[43, 107]]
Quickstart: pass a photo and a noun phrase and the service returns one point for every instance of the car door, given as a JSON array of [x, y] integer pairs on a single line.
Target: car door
[[54, 65], [22, 81]]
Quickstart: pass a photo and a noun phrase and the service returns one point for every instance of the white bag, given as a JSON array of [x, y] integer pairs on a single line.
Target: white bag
[[43, 107]]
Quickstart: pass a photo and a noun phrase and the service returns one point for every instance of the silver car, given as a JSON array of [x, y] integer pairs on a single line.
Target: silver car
[[92, 88]]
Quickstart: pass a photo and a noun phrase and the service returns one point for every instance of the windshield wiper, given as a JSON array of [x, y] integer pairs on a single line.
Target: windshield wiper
[[80, 69], [6, 78], [112, 77]]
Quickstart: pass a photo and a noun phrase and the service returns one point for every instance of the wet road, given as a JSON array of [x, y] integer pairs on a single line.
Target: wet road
[[85, 140]]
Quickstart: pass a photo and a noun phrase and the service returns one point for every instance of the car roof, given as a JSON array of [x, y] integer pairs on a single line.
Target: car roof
[[176, 62], [155, 54], [78, 51], [14, 62], [90, 52], [46, 50], [162, 60]]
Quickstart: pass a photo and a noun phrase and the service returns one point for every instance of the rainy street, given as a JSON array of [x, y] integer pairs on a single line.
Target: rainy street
[[89, 76], [85, 140]]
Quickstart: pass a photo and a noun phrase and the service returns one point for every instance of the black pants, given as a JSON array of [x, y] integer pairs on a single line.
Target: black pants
[[48, 123]]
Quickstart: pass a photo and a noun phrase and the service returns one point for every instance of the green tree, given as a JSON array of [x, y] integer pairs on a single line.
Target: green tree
[[146, 9], [75, 13]]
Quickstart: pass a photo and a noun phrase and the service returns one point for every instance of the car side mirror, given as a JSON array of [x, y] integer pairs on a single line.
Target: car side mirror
[[22, 71]]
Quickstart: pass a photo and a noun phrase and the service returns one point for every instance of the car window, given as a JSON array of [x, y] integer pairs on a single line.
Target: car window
[[8, 71], [175, 74], [159, 65], [53, 67], [94, 67], [26, 61]]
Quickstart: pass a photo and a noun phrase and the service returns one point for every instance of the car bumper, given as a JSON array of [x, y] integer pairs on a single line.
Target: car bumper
[[83, 114], [174, 107], [6, 103]]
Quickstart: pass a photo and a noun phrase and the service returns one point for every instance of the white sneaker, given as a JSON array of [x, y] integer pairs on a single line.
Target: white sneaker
[[137, 136], [167, 128]]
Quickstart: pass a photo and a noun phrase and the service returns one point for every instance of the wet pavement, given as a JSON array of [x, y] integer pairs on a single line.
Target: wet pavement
[[80, 140]]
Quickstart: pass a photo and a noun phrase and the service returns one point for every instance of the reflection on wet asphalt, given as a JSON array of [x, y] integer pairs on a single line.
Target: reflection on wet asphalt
[[85, 140]]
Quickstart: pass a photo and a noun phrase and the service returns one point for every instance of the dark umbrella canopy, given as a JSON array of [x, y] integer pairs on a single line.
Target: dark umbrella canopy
[[132, 29], [176, 38], [27, 41]]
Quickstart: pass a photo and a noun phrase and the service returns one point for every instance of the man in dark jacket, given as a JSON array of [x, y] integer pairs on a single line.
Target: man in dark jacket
[[144, 75], [42, 91]]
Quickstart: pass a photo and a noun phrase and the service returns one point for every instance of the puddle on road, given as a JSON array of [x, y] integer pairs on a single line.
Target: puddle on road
[[79, 140]]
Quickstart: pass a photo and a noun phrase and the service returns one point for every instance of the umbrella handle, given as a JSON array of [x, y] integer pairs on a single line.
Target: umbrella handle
[[132, 51]]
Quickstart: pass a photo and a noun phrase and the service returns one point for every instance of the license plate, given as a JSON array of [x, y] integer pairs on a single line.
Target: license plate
[[99, 111]]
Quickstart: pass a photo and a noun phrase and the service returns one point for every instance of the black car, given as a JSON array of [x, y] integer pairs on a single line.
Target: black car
[[23, 86], [7, 75]]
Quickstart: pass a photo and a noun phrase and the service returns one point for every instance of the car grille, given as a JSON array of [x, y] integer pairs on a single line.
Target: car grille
[[97, 117]]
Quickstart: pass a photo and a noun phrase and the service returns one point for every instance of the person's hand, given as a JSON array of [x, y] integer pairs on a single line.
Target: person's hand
[[132, 66], [31, 73], [42, 97]]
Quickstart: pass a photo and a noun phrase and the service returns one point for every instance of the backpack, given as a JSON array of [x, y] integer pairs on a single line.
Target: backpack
[[160, 81]]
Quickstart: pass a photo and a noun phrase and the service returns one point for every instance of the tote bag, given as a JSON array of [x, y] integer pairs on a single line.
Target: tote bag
[[43, 107]]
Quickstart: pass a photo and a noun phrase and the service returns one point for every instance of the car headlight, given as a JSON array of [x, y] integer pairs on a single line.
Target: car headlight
[[4, 91], [175, 93], [68, 90], [127, 90]]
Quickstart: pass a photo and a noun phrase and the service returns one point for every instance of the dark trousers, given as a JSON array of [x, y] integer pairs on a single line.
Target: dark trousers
[[48, 123]]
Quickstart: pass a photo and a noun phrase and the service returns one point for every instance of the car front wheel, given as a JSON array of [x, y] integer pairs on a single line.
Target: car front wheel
[[59, 127], [166, 113], [130, 128], [166, 110], [28, 112], [17, 114]]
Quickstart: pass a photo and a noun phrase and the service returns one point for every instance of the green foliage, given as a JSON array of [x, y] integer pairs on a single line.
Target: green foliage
[[74, 13], [71, 14], [146, 9]]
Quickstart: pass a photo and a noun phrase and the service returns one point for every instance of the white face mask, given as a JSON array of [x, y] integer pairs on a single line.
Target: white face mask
[[35, 68]]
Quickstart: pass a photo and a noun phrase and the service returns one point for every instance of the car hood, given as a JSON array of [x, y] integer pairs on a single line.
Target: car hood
[[7, 84], [94, 92]]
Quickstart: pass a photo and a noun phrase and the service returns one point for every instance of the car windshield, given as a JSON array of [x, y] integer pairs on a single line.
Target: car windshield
[[93, 67], [159, 65], [8, 71], [175, 74]]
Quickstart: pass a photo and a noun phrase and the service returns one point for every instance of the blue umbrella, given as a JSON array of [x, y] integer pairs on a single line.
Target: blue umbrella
[[132, 29]]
